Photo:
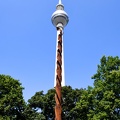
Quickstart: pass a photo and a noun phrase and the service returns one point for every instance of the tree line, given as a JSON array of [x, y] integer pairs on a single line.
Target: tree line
[[100, 102]]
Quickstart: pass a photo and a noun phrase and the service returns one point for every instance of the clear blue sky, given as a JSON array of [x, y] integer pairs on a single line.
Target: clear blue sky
[[28, 40]]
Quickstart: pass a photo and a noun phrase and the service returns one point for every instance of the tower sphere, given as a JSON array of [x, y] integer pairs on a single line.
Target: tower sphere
[[59, 16]]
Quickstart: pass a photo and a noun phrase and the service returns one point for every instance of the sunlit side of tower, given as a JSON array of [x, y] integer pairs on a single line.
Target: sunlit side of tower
[[59, 20]]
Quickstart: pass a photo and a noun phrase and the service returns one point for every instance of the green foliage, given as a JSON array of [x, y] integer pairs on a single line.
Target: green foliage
[[101, 102], [46, 102], [11, 99], [70, 98], [31, 114], [84, 105], [107, 90]]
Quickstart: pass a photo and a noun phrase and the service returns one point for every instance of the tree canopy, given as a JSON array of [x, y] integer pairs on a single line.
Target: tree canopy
[[102, 102], [107, 89], [99, 102], [46, 102], [11, 99]]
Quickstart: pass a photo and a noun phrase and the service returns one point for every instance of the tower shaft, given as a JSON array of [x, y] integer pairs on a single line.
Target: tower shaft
[[59, 20], [63, 71], [58, 96]]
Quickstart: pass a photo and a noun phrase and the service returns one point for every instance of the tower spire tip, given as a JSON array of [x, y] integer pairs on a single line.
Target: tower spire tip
[[60, 1]]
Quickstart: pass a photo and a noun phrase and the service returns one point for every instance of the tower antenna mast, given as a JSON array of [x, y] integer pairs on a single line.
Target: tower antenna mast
[[60, 2], [59, 20]]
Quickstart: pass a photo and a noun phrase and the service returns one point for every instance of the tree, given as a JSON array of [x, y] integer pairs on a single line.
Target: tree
[[46, 102], [32, 114], [102, 102], [84, 105], [107, 90], [69, 99], [11, 99]]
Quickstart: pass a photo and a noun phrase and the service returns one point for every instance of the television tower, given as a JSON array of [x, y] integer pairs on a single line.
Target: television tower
[[59, 20]]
